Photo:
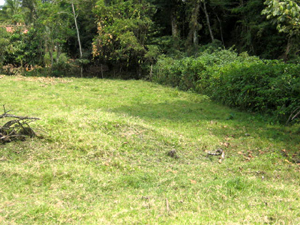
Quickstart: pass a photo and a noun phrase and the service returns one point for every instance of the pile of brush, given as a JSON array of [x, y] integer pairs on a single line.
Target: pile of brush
[[15, 127]]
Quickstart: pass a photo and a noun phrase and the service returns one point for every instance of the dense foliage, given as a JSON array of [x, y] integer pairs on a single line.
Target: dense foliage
[[128, 36], [266, 86], [123, 28]]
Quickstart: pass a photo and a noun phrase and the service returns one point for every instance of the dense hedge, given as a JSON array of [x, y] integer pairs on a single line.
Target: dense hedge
[[270, 87]]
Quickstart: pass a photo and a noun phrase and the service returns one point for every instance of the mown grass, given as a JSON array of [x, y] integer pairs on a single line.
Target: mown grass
[[102, 157]]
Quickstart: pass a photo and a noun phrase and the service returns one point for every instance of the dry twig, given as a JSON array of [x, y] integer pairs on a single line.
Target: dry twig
[[167, 206]]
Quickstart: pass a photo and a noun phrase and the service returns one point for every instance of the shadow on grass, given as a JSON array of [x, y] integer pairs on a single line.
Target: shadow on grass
[[176, 111], [220, 120]]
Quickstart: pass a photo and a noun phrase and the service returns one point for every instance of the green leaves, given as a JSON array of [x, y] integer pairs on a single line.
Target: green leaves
[[284, 13], [268, 87], [123, 27], [263, 86]]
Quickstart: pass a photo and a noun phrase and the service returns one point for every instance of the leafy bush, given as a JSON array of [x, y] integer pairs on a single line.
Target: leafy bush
[[184, 73], [270, 87], [60, 66]]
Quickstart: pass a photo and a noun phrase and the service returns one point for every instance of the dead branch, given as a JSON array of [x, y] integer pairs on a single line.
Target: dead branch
[[17, 128], [293, 115], [219, 152]]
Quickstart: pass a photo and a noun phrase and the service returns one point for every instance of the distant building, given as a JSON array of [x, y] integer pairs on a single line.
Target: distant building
[[11, 29]]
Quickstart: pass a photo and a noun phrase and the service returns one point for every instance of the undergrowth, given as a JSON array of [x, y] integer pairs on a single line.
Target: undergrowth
[[269, 87]]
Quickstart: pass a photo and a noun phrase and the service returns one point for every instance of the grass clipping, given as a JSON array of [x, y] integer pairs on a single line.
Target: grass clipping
[[17, 128]]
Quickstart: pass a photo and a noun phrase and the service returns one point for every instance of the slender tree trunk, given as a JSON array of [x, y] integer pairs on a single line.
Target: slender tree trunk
[[194, 25], [174, 25], [51, 61], [151, 71], [78, 37], [208, 21], [175, 32], [51, 55], [101, 71], [58, 52], [49, 46], [287, 49], [195, 39], [221, 30]]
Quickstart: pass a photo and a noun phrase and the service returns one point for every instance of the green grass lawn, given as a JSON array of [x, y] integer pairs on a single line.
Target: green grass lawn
[[101, 157]]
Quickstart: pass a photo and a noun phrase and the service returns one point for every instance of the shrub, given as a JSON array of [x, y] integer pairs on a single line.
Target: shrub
[[271, 87], [60, 67], [184, 73]]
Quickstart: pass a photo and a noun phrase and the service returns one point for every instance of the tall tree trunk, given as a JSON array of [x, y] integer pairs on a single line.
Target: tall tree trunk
[[175, 32], [208, 21], [58, 52], [78, 37], [195, 38], [221, 30], [51, 60], [285, 55], [194, 25], [51, 48]]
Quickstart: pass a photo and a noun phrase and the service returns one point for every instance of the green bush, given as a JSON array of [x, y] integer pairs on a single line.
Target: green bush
[[185, 72], [60, 67], [271, 87]]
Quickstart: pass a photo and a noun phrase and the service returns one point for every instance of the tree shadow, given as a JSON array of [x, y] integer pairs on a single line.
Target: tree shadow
[[180, 110], [218, 120]]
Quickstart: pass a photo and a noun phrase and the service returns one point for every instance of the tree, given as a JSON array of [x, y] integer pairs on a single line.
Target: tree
[[30, 14], [53, 24], [13, 11], [251, 31], [286, 15], [194, 25], [87, 27], [78, 36], [4, 42], [208, 20], [123, 29], [170, 21]]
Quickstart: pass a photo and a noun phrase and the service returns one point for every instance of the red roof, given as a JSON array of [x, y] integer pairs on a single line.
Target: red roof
[[11, 30]]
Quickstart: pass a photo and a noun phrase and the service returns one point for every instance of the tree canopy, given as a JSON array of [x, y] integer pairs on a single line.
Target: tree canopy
[[129, 35]]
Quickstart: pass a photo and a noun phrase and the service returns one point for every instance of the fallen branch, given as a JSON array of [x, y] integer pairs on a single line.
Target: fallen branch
[[219, 152], [293, 115], [17, 128]]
